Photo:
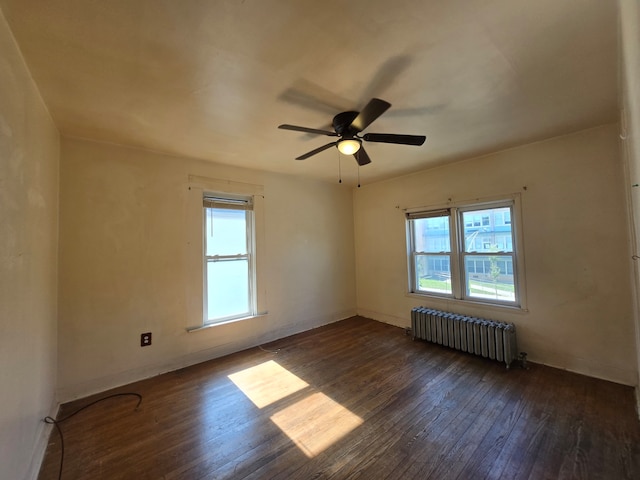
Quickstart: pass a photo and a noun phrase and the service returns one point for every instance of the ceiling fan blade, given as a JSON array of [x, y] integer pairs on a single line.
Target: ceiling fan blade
[[307, 130], [385, 75], [317, 150], [369, 113], [361, 157], [311, 95], [392, 138]]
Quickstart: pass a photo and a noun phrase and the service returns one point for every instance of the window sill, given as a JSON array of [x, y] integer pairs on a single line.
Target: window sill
[[225, 322], [470, 303]]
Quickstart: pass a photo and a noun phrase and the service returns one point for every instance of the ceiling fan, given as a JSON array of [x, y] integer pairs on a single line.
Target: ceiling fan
[[348, 125]]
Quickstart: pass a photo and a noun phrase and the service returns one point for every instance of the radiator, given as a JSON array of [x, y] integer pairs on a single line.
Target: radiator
[[487, 338]]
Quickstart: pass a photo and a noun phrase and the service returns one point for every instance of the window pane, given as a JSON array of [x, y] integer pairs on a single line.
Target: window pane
[[490, 276], [227, 288], [433, 273], [225, 231], [487, 230], [431, 235]]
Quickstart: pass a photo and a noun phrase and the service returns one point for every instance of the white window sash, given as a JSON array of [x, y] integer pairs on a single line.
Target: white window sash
[[230, 202], [458, 253]]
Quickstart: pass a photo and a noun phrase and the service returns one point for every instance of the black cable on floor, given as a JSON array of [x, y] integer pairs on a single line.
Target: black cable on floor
[[277, 350], [56, 423]]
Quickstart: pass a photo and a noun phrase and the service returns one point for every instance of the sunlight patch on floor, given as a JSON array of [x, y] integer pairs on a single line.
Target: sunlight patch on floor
[[313, 423], [267, 383]]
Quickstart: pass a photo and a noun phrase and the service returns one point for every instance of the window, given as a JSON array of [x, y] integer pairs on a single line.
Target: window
[[431, 251], [465, 252], [224, 252], [228, 258]]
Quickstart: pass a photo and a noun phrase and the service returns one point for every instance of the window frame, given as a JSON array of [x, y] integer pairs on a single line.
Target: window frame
[[458, 252], [230, 202], [413, 255], [198, 187]]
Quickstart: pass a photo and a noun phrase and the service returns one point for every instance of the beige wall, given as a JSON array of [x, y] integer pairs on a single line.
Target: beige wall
[[29, 151], [577, 260], [630, 132], [126, 241]]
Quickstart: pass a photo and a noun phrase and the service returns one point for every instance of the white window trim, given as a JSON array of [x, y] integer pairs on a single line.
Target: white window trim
[[250, 256], [458, 294], [197, 187]]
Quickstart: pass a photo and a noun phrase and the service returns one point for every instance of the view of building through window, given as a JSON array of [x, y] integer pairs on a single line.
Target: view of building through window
[[488, 253], [432, 253], [468, 249]]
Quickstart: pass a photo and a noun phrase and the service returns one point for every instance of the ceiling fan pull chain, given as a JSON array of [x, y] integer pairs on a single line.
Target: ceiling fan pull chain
[[339, 168], [358, 172]]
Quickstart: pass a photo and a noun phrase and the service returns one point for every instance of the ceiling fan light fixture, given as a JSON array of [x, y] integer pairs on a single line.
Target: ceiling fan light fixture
[[349, 146]]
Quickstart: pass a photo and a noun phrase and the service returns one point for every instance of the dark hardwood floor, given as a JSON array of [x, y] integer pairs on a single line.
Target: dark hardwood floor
[[355, 399]]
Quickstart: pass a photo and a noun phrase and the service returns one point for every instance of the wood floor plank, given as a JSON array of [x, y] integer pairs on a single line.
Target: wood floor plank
[[430, 409], [508, 411], [354, 399], [521, 444]]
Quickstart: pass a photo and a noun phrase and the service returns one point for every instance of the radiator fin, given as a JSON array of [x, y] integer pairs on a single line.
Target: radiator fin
[[486, 338]]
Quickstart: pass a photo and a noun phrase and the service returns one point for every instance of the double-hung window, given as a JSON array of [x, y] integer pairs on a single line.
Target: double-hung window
[[229, 260], [430, 251], [466, 252]]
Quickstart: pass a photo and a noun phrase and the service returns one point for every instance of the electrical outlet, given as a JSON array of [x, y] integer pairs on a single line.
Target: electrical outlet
[[145, 339]]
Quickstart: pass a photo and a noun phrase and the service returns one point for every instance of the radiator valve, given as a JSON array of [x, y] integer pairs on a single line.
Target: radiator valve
[[523, 360]]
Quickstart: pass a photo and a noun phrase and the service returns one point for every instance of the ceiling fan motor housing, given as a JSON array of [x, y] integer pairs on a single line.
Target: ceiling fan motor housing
[[342, 122]]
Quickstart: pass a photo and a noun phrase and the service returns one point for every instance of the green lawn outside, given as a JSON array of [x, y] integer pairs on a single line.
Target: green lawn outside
[[503, 289]]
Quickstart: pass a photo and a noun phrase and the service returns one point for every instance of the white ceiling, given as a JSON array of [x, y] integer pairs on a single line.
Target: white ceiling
[[213, 79]]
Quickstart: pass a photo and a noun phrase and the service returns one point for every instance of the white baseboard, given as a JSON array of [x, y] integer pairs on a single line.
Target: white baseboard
[[383, 317], [42, 441]]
